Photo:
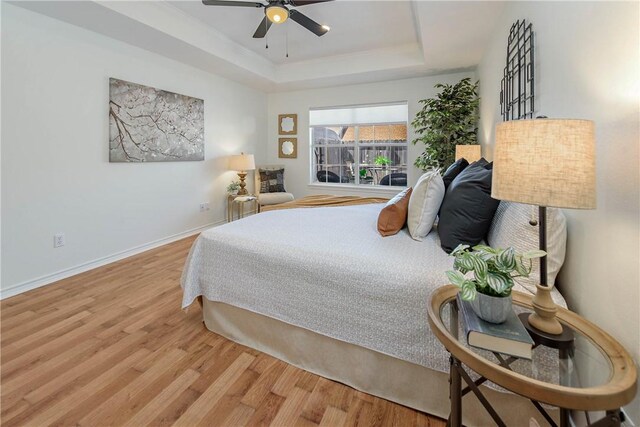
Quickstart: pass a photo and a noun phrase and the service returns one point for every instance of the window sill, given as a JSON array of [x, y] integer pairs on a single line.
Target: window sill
[[359, 188]]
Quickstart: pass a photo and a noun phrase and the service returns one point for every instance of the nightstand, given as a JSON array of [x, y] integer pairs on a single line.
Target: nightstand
[[234, 201], [609, 384]]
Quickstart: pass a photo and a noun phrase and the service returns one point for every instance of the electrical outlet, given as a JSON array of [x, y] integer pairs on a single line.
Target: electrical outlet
[[58, 240], [204, 206]]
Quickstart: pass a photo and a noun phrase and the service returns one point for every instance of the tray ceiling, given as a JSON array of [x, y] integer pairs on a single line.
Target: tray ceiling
[[369, 40]]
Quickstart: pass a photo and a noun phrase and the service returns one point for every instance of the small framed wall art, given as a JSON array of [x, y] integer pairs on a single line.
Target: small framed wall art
[[287, 124], [288, 148]]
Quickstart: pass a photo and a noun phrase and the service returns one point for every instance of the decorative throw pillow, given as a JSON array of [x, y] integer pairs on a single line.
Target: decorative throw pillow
[[511, 227], [467, 209], [424, 204], [453, 171], [272, 181], [394, 215]]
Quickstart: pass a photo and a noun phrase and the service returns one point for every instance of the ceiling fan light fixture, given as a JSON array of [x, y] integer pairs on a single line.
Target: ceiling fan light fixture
[[326, 27], [277, 14]]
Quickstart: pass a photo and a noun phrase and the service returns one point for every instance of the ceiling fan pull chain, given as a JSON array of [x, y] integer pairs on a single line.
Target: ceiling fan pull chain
[[287, 39], [266, 34]]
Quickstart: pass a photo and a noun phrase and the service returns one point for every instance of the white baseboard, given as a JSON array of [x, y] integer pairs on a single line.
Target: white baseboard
[[90, 265]]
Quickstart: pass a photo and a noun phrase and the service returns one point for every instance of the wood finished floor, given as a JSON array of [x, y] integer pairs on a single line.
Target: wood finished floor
[[112, 347]]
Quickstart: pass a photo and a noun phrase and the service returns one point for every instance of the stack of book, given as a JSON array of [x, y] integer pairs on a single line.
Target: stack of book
[[509, 337]]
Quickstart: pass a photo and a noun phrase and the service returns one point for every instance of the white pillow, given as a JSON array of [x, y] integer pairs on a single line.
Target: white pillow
[[424, 204], [511, 227]]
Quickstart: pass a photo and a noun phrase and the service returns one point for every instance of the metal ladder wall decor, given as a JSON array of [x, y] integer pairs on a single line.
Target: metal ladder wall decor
[[517, 92]]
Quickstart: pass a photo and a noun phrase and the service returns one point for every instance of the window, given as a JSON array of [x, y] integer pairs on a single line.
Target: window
[[364, 145]]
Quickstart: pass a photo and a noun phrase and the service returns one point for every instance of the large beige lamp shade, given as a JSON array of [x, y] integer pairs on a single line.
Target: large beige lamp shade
[[242, 163], [470, 153], [545, 162]]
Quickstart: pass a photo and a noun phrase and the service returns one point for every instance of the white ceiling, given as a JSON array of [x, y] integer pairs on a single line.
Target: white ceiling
[[355, 27], [369, 40]]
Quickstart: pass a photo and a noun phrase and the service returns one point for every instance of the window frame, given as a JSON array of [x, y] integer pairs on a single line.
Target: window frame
[[356, 148]]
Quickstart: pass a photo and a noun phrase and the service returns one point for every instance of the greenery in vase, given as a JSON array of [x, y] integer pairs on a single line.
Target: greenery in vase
[[449, 119], [382, 161], [494, 269], [233, 187]]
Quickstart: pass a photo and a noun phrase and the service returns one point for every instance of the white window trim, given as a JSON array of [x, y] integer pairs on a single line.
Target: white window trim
[[391, 189]]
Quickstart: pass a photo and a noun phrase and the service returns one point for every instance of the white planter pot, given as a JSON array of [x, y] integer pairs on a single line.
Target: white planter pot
[[492, 309]]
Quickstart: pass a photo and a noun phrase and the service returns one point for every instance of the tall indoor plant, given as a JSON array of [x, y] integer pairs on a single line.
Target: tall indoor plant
[[449, 119]]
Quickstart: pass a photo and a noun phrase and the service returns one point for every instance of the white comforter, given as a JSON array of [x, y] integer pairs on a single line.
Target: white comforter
[[327, 270]]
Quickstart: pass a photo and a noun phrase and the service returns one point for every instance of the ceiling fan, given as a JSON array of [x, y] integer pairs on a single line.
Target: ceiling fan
[[277, 12]]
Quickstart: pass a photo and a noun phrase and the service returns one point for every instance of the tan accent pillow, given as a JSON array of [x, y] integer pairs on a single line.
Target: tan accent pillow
[[394, 215]]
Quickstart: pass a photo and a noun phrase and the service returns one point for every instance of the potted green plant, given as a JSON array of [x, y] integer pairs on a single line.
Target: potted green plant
[[233, 188], [382, 161], [493, 273], [449, 119], [364, 179]]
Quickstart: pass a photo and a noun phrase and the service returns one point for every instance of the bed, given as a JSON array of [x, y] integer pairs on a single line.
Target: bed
[[322, 290]]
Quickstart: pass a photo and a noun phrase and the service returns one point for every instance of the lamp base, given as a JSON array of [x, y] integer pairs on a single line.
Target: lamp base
[[242, 191], [544, 316], [563, 341]]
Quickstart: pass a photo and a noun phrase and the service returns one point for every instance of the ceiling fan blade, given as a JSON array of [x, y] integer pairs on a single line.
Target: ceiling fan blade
[[262, 29], [296, 3], [232, 3], [308, 23]]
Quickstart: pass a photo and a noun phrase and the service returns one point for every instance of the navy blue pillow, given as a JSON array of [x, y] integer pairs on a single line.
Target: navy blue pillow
[[454, 170], [467, 209]]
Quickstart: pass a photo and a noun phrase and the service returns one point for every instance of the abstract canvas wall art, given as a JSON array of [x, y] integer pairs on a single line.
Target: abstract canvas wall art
[[152, 125]]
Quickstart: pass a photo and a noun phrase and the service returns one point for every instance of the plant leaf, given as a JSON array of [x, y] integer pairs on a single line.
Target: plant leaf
[[456, 278], [479, 264], [459, 249], [534, 254], [468, 291], [521, 268], [505, 261], [458, 266], [466, 261], [501, 283]]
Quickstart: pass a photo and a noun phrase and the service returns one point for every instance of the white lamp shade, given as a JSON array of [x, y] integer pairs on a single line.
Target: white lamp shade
[[470, 153], [242, 162], [545, 162]]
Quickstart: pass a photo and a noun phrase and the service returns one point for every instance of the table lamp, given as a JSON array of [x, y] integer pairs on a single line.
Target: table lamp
[[242, 163], [545, 162], [470, 153]]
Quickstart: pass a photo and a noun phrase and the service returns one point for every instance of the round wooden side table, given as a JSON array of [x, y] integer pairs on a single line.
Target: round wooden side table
[[596, 374]]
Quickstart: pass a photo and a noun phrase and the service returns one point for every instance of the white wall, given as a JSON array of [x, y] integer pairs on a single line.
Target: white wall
[[56, 175], [587, 66], [299, 102]]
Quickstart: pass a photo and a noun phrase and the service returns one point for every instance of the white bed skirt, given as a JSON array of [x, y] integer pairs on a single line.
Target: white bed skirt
[[366, 370]]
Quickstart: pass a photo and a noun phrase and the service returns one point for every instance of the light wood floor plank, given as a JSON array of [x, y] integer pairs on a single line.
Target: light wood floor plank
[[240, 416], [147, 414], [111, 346], [291, 408], [106, 356], [196, 412], [333, 417], [104, 414]]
